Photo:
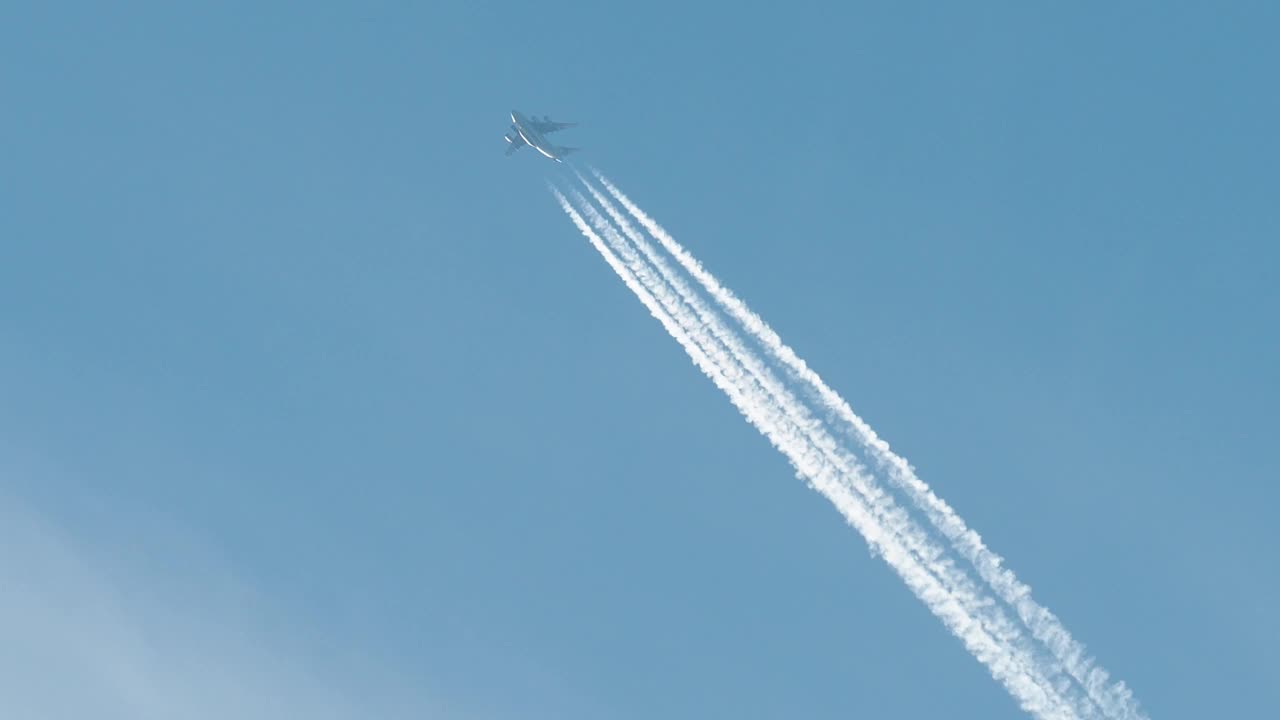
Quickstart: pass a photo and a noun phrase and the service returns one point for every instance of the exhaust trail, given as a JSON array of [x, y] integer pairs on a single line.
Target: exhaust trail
[[1033, 694], [976, 601], [1115, 699]]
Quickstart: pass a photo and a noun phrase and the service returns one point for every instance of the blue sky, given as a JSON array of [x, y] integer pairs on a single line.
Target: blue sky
[[310, 398]]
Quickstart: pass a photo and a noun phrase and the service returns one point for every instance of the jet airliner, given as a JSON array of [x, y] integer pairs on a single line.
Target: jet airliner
[[530, 131]]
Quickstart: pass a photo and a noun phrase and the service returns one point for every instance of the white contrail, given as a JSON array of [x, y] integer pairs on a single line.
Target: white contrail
[[1115, 699], [815, 467], [1048, 673]]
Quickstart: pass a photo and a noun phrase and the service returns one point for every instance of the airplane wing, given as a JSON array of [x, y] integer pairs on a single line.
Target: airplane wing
[[546, 125], [514, 141]]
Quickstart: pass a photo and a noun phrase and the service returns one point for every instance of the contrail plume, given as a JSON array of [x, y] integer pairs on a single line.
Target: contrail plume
[[976, 601], [813, 465], [1115, 699]]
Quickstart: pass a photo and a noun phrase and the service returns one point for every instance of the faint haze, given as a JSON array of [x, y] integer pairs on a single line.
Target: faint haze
[[85, 635]]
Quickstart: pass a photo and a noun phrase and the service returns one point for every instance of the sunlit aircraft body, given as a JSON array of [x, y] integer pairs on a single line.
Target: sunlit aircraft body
[[530, 131]]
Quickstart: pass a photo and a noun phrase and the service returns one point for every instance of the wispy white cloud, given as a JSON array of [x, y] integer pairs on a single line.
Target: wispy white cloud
[[85, 635]]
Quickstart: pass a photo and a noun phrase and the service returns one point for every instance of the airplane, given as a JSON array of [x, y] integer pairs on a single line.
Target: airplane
[[530, 131]]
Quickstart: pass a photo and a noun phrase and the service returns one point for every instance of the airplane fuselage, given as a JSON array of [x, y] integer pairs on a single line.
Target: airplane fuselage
[[531, 136]]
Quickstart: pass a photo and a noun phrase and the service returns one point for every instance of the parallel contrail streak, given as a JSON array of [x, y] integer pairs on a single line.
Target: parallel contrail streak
[[1115, 699], [817, 469], [918, 542]]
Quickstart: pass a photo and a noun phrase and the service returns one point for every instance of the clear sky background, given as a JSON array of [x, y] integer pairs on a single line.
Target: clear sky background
[[312, 403]]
